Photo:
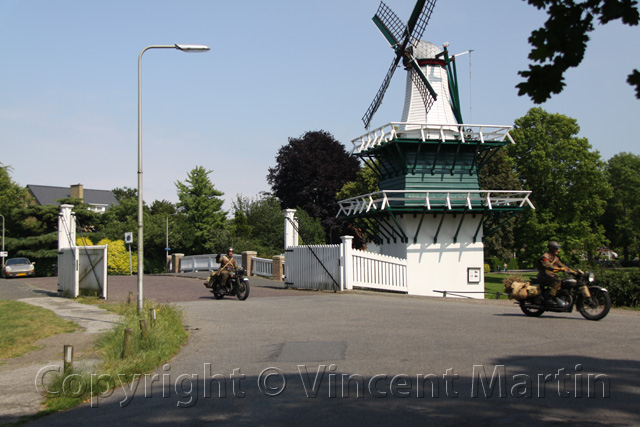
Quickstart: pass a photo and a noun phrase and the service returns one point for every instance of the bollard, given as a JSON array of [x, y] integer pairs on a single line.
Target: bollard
[[68, 359], [143, 329], [152, 316], [126, 348], [444, 294], [498, 295]]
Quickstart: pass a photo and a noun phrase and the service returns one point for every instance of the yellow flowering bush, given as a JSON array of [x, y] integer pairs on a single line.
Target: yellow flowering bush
[[118, 257]]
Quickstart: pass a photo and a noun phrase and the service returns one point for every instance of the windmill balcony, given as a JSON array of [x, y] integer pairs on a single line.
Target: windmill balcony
[[434, 200], [432, 132]]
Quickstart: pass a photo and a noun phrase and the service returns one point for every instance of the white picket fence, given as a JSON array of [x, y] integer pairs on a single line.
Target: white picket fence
[[349, 268], [375, 271]]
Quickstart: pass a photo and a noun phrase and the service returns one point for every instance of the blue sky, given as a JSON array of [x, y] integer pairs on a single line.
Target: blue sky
[[276, 69]]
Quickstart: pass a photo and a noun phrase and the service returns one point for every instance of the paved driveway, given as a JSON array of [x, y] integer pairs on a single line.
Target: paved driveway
[[379, 359]]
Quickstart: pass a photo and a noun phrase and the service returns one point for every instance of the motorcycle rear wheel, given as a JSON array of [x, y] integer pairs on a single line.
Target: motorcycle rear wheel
[[600, 307], [242, 291], [530, 311]]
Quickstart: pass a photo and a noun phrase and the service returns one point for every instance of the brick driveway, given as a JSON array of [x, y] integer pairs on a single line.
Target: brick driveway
[[169, 288]]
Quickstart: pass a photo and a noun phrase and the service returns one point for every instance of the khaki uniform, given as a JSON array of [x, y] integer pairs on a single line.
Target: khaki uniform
[[546, 265], [227, 264]]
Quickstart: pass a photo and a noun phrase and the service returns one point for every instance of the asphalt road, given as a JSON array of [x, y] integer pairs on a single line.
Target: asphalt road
[[378, 359]]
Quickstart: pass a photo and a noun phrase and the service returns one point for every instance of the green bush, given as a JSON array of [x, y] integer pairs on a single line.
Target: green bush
[[487, 269], [496, 264], [513, 264], [623, 285]]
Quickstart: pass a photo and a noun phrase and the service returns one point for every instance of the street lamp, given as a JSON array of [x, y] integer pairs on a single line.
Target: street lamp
[[184, 48]]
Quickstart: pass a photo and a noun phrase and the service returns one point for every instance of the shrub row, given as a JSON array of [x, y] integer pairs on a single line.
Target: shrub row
[[623, 286]]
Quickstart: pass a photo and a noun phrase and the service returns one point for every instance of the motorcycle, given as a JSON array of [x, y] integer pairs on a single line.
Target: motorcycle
[[531, 298], [237, 285]]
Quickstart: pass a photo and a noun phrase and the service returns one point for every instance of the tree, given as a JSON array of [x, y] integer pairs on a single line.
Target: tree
[[498, 174], [12, 195], [569, 189], [622, 220], [125, 193], [309, 172], [201, 204], [259, 222], [562, 42], [367, 181]]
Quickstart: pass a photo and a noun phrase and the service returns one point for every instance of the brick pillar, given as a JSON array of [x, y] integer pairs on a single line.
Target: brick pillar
[[175, 258], [247, 257], [278, 267]]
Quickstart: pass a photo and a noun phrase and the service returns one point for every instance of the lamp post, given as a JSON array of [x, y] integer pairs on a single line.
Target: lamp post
[[184, 48]]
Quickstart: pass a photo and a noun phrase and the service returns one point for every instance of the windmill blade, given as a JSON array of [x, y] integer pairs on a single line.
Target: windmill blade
[[418, 78], [417, 30], [391, 27], [378, 98]]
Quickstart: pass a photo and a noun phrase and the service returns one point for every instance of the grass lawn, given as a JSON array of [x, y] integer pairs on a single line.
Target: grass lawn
[[24, 324]]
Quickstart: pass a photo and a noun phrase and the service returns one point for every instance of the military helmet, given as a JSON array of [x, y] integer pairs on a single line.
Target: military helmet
[[553, 245]]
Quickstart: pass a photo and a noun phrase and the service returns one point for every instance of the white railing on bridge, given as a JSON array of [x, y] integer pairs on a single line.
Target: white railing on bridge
[[431, 131], [432, 199], [196, 263], [262, 267]]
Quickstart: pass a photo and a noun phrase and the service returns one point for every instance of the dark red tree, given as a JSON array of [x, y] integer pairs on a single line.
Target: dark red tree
[[309, 172]]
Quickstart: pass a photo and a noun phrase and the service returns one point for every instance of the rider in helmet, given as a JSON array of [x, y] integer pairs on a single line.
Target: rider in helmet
[[548, 265], [227, 264]]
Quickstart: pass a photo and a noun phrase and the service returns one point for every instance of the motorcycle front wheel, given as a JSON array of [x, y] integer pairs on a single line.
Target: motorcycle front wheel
[[530, 311], [242, 291], [599, 306]]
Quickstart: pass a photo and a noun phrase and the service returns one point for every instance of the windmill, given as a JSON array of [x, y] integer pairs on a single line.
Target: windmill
[[430, 209], [416, 54]]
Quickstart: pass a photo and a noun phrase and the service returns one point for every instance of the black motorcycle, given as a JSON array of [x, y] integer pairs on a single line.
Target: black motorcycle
[[237, 285], [531, 297]]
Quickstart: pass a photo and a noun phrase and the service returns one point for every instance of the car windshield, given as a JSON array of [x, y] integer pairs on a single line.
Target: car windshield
[[17, 261]]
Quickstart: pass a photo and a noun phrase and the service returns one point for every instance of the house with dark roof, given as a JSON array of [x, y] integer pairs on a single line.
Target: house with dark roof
[[98, 200]]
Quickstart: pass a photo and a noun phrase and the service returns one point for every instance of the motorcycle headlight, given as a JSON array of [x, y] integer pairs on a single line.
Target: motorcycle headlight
[[592, 277]]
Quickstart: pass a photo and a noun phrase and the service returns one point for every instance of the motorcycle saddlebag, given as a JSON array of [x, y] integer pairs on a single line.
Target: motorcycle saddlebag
[[521, 291]]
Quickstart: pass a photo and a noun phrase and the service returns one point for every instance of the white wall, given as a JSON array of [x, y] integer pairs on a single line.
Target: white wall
[[444, 265]]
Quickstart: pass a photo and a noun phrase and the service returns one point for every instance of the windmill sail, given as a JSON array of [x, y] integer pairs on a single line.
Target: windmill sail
[[404, 39]]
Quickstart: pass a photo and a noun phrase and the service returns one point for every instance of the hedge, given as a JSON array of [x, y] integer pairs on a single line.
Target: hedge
[[623, 286]]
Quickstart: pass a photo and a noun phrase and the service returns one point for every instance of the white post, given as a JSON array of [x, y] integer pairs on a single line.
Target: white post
[[66, 228], [346, 263], [290, 233]]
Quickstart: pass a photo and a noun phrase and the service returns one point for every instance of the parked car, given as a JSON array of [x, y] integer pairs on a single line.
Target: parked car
[[18, 267]]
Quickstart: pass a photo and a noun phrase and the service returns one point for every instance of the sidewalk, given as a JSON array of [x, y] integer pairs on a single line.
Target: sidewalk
[[18, 376]]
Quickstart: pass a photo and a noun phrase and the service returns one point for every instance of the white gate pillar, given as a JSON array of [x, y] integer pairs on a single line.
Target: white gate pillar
[[290, 232], [66, 228], [346, 263]]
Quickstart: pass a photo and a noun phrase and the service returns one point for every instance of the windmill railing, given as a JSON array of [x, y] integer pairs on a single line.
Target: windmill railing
[[431, 200], [445, 132]]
